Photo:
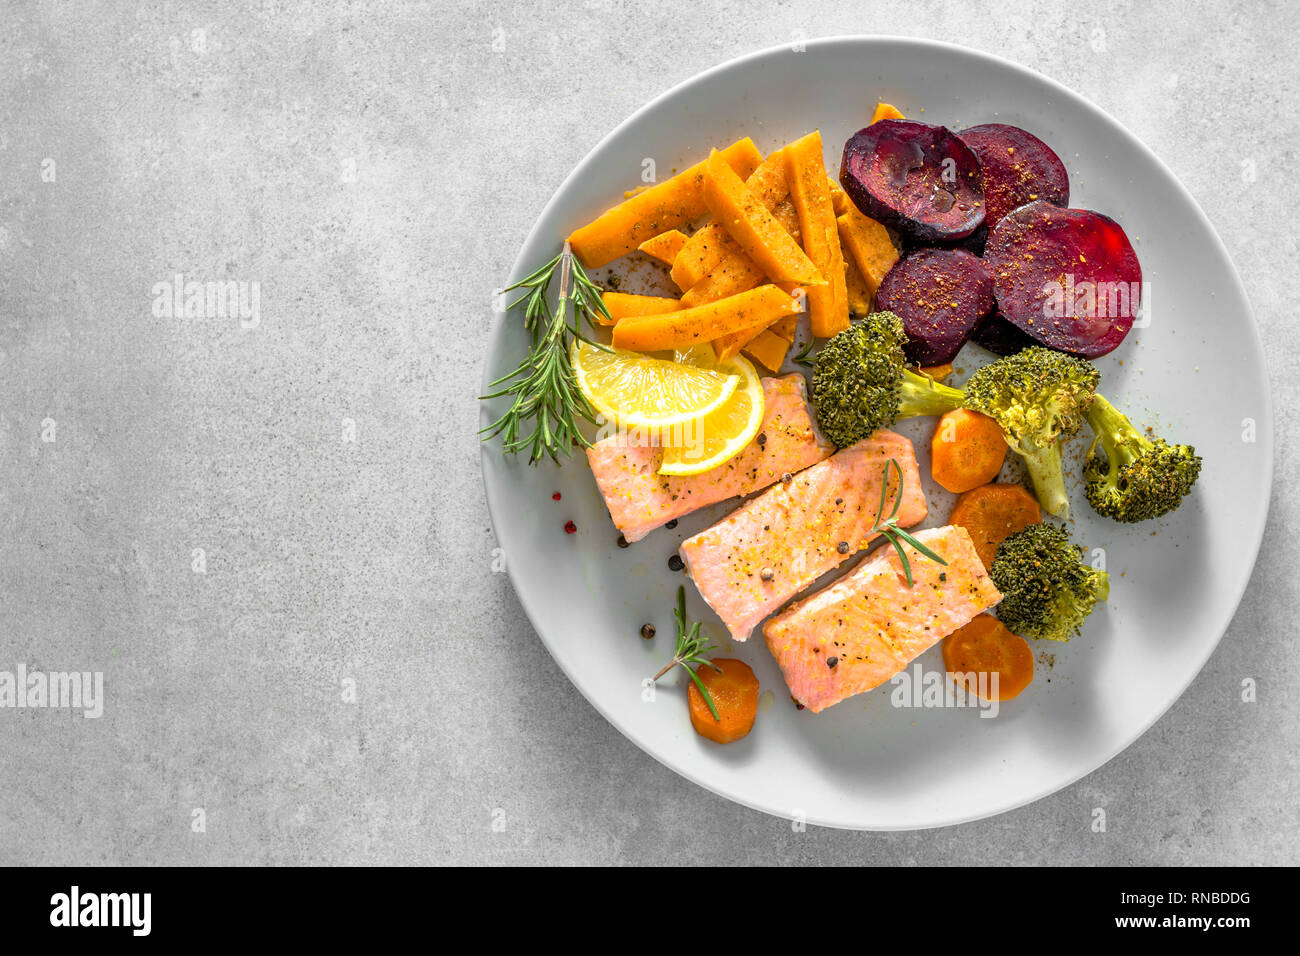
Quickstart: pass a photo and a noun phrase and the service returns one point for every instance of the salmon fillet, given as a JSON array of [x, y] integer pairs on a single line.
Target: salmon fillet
[[868, 626], [640, 500], [750, 563]]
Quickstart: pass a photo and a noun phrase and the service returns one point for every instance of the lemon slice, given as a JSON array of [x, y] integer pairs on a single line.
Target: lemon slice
[[722, 434], [638, 391]]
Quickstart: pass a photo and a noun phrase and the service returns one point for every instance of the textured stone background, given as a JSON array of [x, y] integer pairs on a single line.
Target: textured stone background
[[226, 153]]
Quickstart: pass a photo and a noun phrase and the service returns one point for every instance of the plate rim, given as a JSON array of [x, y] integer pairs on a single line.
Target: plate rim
[[1265, 433]]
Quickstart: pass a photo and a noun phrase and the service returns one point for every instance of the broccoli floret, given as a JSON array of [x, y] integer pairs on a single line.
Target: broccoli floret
[[1139, 477], [861, 382], [1039, 397], [1047, 591]]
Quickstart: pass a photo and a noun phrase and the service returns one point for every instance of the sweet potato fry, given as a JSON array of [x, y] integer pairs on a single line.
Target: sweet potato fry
[[664, 206], [705, 251], [664, 246], [756, 308], [768, 349], [868, 245], [753, 226], [621, 305], [805, 169]]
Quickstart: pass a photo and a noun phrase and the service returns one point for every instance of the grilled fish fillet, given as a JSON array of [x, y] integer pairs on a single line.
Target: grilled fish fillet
[[750, 563], [640, 500], [865, 628]]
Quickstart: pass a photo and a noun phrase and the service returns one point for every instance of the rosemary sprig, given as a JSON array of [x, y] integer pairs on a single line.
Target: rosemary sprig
[[690, 649], [890, 529], [544, 387], [802, 358]]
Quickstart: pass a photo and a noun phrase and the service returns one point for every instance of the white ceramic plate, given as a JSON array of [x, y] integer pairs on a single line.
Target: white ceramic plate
[[1195, 373]]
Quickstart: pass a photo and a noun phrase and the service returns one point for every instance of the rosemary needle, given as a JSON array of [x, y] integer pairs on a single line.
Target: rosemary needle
[[544, 388], [890, 529], [690, 649]]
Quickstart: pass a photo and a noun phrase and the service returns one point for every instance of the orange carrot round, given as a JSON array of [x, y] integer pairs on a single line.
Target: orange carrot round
[[991, 513], [734, 690], [967, 450], [986, 647]]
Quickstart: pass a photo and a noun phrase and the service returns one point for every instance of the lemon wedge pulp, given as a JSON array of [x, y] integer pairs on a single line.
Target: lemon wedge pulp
[[718, 436], [640, 391]]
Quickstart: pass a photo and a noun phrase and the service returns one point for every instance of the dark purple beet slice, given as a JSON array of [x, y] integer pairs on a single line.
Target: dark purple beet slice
[[1016, 167], [918, 178], [1068, 277], [1001, 337], [941, 295], [974, 243]]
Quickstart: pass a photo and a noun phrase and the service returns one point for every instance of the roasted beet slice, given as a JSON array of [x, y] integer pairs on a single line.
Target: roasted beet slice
[[1001, 337], [941, 295], [918, 178], [1016, 167], [1068, 277]]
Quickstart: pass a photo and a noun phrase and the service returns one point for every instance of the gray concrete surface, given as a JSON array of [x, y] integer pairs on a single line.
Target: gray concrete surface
[[346, 159]]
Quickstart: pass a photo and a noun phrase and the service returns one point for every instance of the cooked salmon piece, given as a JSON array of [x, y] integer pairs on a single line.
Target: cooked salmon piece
[[869, 625], [639, 499], [753, 561]]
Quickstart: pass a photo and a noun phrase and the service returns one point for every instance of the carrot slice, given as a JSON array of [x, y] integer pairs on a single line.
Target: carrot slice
[[757, 308], [967, 450], [985, 647], [667, 205], [991, 513], [885, 111], [664, 246], [805, 169], [754, 228], [768, 349], [734, 689], [868, 244], [621, 305]]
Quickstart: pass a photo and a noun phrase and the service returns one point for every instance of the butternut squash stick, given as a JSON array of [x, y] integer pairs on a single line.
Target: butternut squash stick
[[621, 305], [869, 245], [664, 246], [805, 170], [754, 228], [667, 205], [756, 308]]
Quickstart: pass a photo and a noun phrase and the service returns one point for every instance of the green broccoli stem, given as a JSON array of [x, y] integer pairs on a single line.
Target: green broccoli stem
[[919, 395], [1048, 477], [1119, 440]]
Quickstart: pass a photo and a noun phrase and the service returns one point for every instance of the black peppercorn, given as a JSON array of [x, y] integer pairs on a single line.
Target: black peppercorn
[[648, 631], [675, 563]]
